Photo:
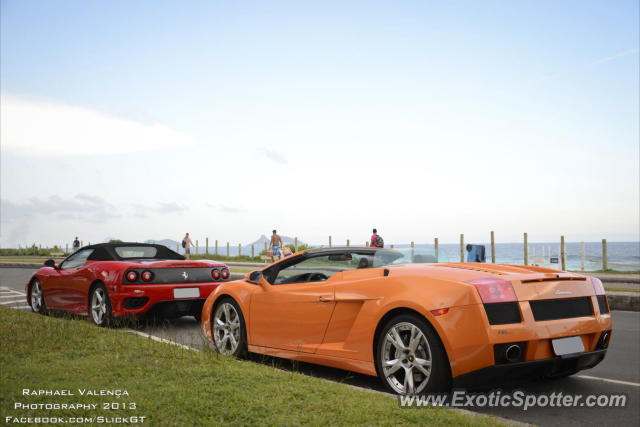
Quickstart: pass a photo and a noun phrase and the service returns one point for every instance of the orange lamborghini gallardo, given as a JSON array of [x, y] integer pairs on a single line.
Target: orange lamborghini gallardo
[[419, 325]]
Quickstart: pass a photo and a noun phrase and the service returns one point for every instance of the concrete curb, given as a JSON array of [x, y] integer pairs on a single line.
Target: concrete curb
[[20, 265], [628, 301], [623, 278]]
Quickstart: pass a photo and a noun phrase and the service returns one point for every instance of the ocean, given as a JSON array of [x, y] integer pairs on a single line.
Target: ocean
[[622, 256]]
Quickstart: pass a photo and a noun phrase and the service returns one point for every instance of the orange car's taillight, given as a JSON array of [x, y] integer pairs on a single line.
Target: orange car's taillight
[[492, 290], [597, 286], [440, 311]]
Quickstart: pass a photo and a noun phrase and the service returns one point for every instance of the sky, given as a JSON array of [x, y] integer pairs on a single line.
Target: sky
[[148, 119]]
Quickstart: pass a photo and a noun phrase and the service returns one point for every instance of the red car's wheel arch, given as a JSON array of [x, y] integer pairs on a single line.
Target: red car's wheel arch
[[95, 283]]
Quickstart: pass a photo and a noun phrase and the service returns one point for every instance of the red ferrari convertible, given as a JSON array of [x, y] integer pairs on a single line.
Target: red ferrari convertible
[[111, 280]]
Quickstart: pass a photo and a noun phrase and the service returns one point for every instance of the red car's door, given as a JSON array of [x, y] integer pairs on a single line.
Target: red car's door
[[65, 287]]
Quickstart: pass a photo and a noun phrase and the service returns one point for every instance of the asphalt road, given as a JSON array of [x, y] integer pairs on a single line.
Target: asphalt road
[[619, 373]]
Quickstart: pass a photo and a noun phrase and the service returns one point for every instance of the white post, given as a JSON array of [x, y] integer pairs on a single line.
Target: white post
[[582, 263]]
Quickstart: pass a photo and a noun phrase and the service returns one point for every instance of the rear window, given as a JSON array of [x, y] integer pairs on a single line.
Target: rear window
[[136, 251]]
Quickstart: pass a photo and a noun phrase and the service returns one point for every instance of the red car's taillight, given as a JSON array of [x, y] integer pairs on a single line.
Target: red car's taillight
[[225, 274], [132, 276], [146, 276], [493, 290], [597, 286], [215, 274]]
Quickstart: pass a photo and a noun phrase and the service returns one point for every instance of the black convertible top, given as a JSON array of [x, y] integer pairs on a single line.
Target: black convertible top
[[107, 251]]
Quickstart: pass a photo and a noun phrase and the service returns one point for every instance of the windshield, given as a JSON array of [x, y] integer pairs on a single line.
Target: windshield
[[408, 256]]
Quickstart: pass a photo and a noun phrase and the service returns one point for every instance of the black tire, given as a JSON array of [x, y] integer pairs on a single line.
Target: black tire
[[411, 373], [36, 297], [100, 306], [228, 339]]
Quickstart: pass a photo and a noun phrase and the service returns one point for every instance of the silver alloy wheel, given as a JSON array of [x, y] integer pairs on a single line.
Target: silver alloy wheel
[[226, 328], [406, 358], [36, 296], [98, 305]]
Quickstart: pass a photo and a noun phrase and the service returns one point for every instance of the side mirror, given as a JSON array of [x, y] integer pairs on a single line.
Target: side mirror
[[254, 276], [50, 263]]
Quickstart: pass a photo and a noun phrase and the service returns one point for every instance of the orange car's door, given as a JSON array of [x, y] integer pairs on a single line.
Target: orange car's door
[[292, 316]]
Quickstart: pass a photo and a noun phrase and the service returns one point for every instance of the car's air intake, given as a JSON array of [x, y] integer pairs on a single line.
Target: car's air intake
[[502, 313], [563, 308]]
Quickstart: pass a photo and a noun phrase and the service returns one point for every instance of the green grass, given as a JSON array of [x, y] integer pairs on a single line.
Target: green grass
[[607, 271], [174, 386]]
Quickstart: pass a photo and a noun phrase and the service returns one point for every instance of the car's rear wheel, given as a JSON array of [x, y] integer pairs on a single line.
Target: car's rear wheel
[[100, 305], [228, 327], [410, 358], [37, 297]]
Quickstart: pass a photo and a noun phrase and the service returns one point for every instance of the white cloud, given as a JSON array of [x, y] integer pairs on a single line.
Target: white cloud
[[37, 128], [273, 155], [81, 207], [171, 207], [617, 55]]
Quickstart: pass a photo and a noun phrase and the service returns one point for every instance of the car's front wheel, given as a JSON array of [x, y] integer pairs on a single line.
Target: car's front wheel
[[100, 305], [229, 331], [410, 358], [37, 297]]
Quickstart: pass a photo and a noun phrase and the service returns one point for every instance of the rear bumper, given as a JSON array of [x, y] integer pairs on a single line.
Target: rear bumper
[[139, 299], [469, 339], [177, 308], [532, 369]]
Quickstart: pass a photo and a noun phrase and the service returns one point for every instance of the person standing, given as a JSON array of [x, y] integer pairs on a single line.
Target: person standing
[[186, 244], [376, 240], [276, 244], [76, 244]]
